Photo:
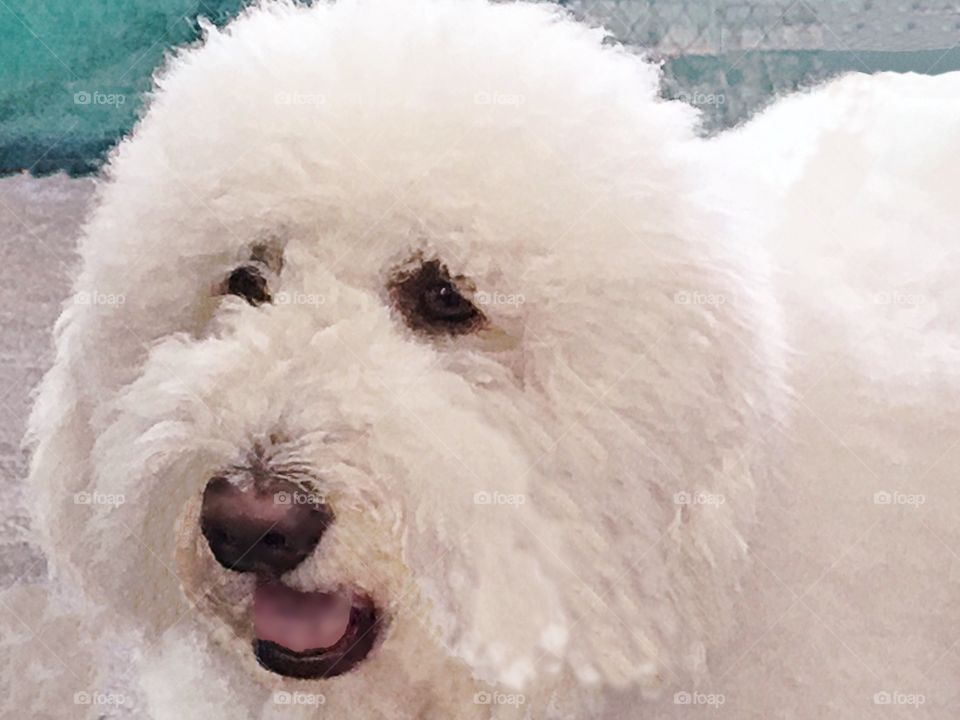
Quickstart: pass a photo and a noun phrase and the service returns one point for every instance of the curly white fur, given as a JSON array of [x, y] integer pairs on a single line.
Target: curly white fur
[[641, 364]]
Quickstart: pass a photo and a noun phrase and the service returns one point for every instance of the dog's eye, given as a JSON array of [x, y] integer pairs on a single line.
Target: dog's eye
[[443, 303], [429, 300], [249, 283]]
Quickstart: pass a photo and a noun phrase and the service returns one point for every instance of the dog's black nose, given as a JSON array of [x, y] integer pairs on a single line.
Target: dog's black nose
[[268, 528]]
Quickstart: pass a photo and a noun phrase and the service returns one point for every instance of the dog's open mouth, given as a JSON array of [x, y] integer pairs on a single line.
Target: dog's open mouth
[[311, 635]]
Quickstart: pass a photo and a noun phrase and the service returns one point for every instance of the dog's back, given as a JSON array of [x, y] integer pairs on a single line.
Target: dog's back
[[852, 602]]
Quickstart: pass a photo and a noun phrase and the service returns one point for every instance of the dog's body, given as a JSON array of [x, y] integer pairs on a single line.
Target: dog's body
[[641, 462]]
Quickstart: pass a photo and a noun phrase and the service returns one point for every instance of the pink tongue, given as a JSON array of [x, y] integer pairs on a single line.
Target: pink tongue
[[299, 621]]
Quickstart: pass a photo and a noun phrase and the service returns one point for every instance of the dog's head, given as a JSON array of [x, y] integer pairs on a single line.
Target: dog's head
[[407, 333]]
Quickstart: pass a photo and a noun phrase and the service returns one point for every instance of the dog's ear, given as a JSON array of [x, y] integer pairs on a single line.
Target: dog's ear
[[61, 440]]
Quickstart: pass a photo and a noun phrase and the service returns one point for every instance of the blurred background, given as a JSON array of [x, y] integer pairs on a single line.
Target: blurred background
[[72, 73]]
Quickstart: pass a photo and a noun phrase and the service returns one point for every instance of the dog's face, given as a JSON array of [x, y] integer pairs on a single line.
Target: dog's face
[[412, 360]]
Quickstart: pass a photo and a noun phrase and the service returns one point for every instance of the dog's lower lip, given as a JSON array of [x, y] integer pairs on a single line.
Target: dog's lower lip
[[355, 638]]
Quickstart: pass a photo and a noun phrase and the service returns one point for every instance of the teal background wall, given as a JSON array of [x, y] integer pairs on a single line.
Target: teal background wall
[[746, 81], [72, 72]]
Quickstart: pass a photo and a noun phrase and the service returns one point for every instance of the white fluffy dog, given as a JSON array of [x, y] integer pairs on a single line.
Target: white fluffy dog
[[425, 364]]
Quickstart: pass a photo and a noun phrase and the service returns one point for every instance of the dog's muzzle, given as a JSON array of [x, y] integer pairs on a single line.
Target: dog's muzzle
[[268, 529]]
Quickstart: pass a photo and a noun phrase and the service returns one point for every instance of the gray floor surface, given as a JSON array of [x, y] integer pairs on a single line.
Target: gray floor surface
[[39, 223]]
